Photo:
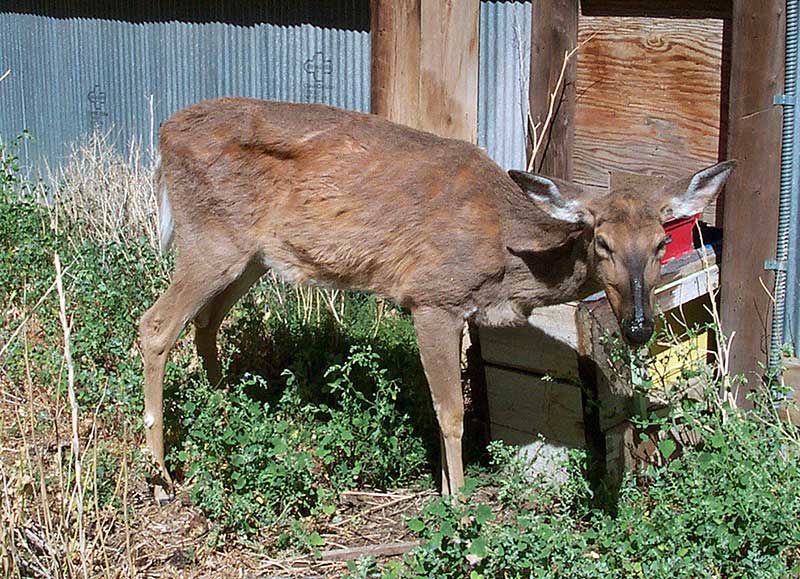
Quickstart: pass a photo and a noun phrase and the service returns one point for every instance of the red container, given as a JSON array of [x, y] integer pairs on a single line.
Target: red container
[[682, 233]]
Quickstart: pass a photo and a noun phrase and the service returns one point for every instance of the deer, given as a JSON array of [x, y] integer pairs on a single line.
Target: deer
[[342, 199]]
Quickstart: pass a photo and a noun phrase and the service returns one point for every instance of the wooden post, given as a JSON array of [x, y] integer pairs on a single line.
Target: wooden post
[[554, 31], [449, 68], [425, 64], [751, 197], [395, 26]]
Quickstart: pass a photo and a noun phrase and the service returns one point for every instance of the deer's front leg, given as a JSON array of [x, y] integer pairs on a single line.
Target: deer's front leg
[[439, 335]]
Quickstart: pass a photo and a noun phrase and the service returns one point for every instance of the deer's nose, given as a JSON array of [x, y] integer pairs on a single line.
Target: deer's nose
[[637, 331]]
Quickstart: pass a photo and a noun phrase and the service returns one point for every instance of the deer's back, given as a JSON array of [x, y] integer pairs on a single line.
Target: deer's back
[[335, 197]]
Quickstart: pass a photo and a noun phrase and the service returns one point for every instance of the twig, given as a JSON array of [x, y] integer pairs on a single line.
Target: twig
[[373, 509], [73, 402], [538, 140], [380, 494], [27, 317], [369, 551]]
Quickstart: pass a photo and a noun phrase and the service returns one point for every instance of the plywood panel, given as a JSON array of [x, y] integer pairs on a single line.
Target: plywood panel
[[648, 97]]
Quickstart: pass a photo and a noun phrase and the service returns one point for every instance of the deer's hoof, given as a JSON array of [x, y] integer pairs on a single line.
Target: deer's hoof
[[161, 496]]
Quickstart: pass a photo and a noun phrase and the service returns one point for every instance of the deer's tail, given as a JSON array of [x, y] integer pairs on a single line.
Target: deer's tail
[[165, 223]]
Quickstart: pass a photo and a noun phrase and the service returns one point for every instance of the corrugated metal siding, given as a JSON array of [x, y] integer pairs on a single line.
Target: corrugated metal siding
[[504, 70], [69, 75]]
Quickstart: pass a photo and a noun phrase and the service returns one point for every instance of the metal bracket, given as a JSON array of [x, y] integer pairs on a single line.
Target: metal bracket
[[784, 100], [775, 264]]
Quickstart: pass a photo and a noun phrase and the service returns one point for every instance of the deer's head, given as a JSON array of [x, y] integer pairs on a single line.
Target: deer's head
[[628, 238]]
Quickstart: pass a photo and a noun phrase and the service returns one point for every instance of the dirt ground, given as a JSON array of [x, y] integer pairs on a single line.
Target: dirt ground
[[172, 541]]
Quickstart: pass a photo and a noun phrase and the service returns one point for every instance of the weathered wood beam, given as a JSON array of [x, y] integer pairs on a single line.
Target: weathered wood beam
[[425, 64], [395, 26], [449, 68], [351, 553], [751, 197], [657, 8], [554, 31]]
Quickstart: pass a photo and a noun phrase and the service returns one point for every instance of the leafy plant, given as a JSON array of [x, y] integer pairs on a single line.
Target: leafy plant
[[725, 508], [256, 464]]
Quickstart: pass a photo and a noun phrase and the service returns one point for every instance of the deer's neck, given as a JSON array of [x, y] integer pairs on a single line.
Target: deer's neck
[[547, 262]]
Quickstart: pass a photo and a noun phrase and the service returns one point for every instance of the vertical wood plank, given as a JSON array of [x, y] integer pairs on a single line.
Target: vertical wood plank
[[751, 197], [650, 98], [554, 31], [395, 26], [449, 68]]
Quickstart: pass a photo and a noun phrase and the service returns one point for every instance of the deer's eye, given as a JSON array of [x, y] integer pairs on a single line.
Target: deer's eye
[[602, 244], [663, 245]]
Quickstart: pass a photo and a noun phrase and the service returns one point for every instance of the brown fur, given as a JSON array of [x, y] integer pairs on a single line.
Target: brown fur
[[343, 199]]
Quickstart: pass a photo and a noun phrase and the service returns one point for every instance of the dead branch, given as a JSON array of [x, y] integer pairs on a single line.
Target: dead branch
[[539, 131]]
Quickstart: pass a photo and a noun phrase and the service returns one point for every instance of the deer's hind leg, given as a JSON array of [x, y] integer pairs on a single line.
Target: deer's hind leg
[[210, 318], [196, 281]]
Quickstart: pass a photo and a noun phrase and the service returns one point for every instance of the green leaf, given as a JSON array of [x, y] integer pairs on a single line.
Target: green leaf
[[667, 447], [315, 540], [483, 513], [470, 484], [477, 547], [415, 525]]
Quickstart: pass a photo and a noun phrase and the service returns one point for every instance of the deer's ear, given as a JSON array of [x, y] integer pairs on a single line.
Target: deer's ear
[[689, 196], [548, 194]]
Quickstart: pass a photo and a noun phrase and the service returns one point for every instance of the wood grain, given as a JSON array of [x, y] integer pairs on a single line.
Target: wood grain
[[425, 64], [751, 197], [449, 68], [547, 347], [648, 97], [395, 49], [554, 31], [351, 553]]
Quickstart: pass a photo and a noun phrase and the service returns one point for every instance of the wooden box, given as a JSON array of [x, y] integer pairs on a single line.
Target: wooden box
[[537, 394]]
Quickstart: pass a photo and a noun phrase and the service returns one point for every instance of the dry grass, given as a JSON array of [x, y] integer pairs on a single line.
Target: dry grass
[[110, 194], [42, 523]]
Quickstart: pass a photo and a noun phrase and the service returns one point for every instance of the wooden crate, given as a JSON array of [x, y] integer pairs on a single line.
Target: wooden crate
[[534, 384]]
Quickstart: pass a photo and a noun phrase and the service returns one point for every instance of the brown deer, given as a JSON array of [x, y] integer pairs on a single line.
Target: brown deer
[[349, 200]]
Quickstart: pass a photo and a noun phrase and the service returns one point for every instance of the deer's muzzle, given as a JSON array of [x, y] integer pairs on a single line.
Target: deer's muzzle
[[637, 331]]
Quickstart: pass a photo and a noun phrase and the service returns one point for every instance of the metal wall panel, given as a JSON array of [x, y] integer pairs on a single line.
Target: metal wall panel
[[71, 75], [504, 71]]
